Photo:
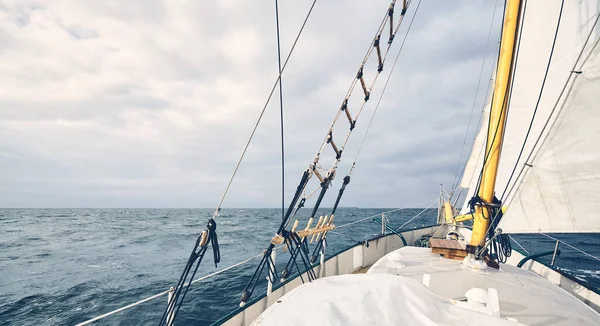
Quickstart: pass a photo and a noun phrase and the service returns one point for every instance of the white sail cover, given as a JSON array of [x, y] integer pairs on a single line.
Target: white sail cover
[[370, 299], [542, 212]]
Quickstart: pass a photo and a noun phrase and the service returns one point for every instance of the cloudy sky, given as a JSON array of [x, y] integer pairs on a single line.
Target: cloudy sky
[[149, 103]]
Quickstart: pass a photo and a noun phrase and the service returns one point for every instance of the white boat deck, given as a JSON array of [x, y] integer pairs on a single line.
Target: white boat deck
[[531, 295], [522, 295]]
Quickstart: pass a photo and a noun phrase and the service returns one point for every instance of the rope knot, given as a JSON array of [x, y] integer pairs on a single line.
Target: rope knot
[[211, 227]]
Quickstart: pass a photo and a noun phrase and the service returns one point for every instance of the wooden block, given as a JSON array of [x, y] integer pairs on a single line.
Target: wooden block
[[449, 252], [455, 257]]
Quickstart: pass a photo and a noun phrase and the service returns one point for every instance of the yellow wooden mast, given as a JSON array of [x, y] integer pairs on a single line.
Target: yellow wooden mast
[[497, 121]]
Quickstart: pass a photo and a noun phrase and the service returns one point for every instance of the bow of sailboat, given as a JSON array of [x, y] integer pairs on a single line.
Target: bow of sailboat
[[465, 270], [534, 167]]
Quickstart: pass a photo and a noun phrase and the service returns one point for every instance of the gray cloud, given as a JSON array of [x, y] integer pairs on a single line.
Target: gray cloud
[[149, 103]]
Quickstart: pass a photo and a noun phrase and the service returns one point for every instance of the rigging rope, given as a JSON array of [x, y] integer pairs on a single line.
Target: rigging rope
[[503, 107], [319, 244], [537, 104], [218, 209], [378, 214], [454, 183], [384, 87], [200, 248], [281, 113], [420, 213], [325, 181], [518, 244], [476, 200], [574, 68], [571, 246], [500, 246], [158, 295], [567, 82], [209, 234]]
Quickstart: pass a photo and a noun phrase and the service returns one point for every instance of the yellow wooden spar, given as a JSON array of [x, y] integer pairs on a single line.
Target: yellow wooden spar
[[497, 120]]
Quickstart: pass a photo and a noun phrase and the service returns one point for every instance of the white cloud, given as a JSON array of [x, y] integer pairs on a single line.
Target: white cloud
[[149, 103]]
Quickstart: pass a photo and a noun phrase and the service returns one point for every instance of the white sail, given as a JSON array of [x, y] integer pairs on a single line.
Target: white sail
[[559, 190], [475, 161]]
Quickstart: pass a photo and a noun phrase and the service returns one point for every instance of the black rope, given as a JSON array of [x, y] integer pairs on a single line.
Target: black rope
[[195, 257], [281, 113], [324, 187], [319, 244], [500, 248], [265, 261], [537, 104], [299, 189], [340, 193], [302, 249]]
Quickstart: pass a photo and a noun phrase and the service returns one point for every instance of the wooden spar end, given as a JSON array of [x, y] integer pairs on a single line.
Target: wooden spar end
[[310, 220], [318, 226], [304, 233]]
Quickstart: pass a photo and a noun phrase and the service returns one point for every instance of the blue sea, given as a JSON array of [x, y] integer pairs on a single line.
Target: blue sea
[[64, 266]]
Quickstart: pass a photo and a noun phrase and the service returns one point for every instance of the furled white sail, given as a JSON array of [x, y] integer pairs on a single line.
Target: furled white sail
[[538, 26], [475, 161]]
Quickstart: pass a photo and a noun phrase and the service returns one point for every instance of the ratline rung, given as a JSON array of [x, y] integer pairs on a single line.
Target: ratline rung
[[391, 14], [360, 77], [376, 45], [338, 153], [348, 115]]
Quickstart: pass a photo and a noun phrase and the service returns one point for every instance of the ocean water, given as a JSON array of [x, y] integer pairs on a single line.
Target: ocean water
[[64, 266]]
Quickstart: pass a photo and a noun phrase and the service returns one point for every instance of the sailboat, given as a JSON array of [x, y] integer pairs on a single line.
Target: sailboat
[[539, 154], [534, 168]]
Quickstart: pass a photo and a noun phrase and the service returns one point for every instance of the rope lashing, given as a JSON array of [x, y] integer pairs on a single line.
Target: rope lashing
[[478, 201], [211, 227], [500, 247], [316, 172]]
